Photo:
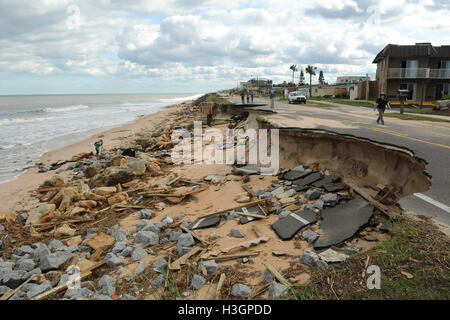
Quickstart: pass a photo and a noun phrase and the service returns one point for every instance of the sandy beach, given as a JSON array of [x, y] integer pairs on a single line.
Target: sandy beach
[[14, 195]]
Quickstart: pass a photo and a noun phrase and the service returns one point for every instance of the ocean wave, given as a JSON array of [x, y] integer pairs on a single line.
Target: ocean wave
[[181, 99], [65, 109]]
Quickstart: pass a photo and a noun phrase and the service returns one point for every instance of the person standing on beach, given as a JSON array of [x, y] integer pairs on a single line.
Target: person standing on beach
[[98, 144], [252, 96], [242, 96], [272, 99], [381, 105]]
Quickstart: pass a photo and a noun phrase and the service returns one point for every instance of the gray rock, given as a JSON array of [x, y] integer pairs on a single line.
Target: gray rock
[[101, 297], [70, 249], [268, 276], [107, 283], [38, 289], [309, 258], [236, 233], [13, 278], [126, 252], [214, 235], [312, 194], [240, 290], [184, 224], [119, 235], [164, 241], [277, 191], [26, 264], [138, 254], [260, 192], [146, 214], [41, 251], [113, 261], [23, 250], [55, 244], [284, 214], [159, 281], [266, 195], [22, 217], [128, 297], [301, 201], [64, 278], [78, 294], [278, 253], [197, 282], [276, 290], [3, 290], [181, 216], [185, 240], [160, 265], [147, 225], [2, 228], [329, 198], [175, 235], [321, 265], [54, 260], [183, 250], [210, 265], [318, 204], [310, 236], [119, 246], [147, 237]]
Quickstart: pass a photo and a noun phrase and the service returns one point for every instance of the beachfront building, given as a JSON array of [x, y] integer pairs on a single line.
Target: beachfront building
[[423, 69]]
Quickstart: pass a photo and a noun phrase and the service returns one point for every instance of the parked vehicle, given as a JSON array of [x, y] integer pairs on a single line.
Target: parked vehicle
[[296, 97]]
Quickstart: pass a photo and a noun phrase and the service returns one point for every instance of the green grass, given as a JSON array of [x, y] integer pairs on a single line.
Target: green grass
[[354, 103], [413, 117], [217, 100], [416, 247], [419, 111]]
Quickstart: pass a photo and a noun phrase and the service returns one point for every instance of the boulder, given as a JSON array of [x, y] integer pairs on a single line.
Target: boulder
[[197, 282], [240, 290], [310, 236], [210, 265], [36, 289], [146, 214], [309, 258], [113, 261], [147, 237], [53, 261], [92, 170], [236, 233], [138, 254], [106, 283], [116, 175], [53, 182]]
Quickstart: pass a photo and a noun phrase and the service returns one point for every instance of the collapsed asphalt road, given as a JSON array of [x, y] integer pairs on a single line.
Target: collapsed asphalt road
[[429, 141]]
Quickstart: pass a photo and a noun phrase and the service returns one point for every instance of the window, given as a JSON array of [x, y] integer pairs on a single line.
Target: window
[[412, 87]]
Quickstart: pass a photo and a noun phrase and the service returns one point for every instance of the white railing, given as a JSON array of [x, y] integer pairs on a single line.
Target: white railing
[[418, 73], [411, 73], [440, 73]]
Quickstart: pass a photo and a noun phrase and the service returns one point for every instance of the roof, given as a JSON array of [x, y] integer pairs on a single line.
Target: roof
[[418, 50]]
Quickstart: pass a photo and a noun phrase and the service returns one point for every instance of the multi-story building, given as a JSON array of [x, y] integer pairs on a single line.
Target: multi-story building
[[423, 69]]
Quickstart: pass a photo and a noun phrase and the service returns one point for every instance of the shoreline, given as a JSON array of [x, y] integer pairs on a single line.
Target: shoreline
[[14, 194]]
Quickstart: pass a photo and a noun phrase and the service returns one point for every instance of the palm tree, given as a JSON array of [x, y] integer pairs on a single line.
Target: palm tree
[[321, 78], [301, 78], [294, 69], [311, 71]]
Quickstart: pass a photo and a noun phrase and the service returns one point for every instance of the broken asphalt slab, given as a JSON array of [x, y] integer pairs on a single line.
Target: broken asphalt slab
[[205, 222], [343, 221], [286, 228], [313, 177]]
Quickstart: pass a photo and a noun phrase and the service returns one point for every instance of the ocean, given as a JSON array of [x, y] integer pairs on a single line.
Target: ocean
[[32, 125]]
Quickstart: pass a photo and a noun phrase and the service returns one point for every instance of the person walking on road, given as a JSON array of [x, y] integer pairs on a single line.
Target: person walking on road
[[272, 99], [248, 97], [252, 96], [242, 96], [382, 104]]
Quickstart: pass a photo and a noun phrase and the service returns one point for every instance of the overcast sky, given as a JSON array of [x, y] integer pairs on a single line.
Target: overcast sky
[[137, 46]]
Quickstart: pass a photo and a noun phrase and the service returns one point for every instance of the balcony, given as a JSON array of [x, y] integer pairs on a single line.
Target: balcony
[[418, 73]]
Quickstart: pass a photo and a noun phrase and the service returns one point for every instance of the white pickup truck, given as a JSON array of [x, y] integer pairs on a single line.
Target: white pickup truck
[[296, 97]]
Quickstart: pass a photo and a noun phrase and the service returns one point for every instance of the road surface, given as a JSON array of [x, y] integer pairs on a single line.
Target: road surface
[[428, 140]]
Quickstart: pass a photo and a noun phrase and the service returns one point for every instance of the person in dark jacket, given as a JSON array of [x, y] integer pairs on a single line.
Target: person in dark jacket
[[381, 105], [242, 96]]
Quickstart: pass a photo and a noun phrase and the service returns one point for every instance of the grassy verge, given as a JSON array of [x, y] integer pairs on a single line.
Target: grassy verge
[[216, 99], [409, 116], [419, 111], [354, 103], [414, 264]]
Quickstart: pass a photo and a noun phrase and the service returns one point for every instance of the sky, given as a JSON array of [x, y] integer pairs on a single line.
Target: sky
[[195, 46]]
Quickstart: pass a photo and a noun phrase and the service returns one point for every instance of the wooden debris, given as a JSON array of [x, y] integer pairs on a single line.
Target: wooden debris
[[237, 255], [196, 236], [249, 204], [219, 286], [253, 215], [257, 231], [11, 292], [277, 275], [101, 240], [364, 194], [176, 265], [246, 245], [259, 291]]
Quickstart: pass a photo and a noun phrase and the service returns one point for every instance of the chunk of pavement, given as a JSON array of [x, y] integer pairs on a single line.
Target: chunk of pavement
[[276, 290], [312, 194], [113, 261], [268, 276], [331, 255], [210, 265], [309, 236], [53, 261], [277, 191], [146, 214], [309, 258], [286, 228], [249, 170], [343, 221], [185, 240], [235, 233], [36, 289], [25, 264], [278, 253], [313, 177], [216, 175], [205, 222], [318, 204], [240, 290], [159, 281], [334, 187], [160, 265], [107, 283], [327, 180], [197, 282], [138, 254], [55, 244], [296, 174], [329, 198], [147, 237]]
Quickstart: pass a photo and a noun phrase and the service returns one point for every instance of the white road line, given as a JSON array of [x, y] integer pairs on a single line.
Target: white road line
[[433, 202]]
